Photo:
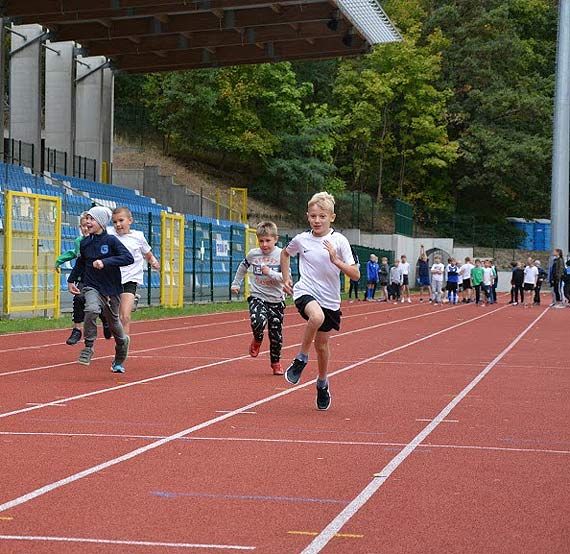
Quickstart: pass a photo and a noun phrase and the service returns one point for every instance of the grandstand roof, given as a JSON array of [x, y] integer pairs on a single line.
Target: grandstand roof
[[141, 36]]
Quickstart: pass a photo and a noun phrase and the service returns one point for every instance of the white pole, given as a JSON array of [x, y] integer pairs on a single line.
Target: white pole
[[559, 202]]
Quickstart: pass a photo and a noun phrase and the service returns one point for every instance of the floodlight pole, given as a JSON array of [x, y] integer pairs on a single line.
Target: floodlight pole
[[559, 201]]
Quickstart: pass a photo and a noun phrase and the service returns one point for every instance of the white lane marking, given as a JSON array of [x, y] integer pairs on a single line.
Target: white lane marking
[[327, 534], [228, 411], [424, 420], [181, 434], [262, 440], [204, 366], [126, 543], [41, 404], [185, 328], [185, 344]]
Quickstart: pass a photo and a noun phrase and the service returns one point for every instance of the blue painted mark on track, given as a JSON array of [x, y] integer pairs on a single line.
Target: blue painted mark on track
[[166, 494]]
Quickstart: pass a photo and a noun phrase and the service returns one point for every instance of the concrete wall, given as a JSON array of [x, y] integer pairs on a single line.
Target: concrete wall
[[60, 98], [26, 90]]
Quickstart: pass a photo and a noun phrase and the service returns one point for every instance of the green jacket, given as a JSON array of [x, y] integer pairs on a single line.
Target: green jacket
[[70, 254], [476, 276]]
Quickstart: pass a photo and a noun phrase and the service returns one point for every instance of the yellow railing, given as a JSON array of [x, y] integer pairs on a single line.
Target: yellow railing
[[172, 260]]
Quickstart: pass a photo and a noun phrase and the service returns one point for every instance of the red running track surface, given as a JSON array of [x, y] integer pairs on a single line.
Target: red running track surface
[[198, 448]]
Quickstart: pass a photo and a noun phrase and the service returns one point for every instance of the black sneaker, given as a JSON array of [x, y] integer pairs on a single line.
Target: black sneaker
[[293, 372], [107, 331], [323, 398], [75, 337]]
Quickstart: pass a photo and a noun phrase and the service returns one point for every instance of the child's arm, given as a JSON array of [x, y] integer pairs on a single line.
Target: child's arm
[[149, 257], [240, 274], [65, 257], [351, 271], [286, 271]]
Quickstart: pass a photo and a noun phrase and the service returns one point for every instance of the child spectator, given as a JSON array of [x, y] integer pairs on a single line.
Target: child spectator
[[530, 279], [101, 257], [372, 276], [384, 278], [452, 281], [518, 279], [495, 281], [556, 276], [465, 272], [323, 255], [477, 280], [395, 281], [566, 282], [542, 275], [437, 273], [405, 271], [353, 285], [423, 274], [131, 275], [488, 279], [266, 300]]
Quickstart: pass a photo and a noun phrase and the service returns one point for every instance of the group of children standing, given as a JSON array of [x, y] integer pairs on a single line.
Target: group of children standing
[[105, 278]]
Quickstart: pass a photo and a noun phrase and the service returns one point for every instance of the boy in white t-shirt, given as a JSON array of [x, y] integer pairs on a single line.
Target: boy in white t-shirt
[[405, 272], [465, 273], [530, 281], [131, 275], [437, 272], [323, 255], [488, 279]]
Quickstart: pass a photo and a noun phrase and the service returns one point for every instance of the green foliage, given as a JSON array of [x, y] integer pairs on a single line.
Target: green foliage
[[455, 119]]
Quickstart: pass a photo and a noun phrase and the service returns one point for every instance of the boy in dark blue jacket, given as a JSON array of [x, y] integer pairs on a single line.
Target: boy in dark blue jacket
[[99, 265]]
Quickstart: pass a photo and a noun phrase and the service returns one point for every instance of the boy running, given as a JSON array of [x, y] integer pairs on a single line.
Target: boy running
[[323, 255], [266, 303], [99, 263]]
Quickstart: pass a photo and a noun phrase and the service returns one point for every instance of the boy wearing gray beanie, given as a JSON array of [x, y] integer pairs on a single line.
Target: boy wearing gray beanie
[[99, 265]]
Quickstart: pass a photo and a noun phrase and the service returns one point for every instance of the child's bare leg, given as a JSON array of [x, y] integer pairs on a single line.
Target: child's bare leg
[[316, 318], [323, 354], [127, 303]]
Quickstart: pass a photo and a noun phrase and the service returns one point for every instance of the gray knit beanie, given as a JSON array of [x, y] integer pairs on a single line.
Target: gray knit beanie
[[101, 215]]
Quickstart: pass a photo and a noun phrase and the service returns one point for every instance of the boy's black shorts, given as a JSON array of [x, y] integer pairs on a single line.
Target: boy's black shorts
[[131, 287], [451, 287], [528, 286], [467, 284], [332, 317], [405, 280]]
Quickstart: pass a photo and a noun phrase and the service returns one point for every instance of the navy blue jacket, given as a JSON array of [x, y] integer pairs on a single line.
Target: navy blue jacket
[[112, 252]]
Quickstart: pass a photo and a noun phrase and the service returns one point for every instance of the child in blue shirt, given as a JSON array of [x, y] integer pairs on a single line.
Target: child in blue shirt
[[372, 269], [452, 281]]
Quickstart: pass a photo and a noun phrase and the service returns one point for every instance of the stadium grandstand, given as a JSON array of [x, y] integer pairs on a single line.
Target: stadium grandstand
[[58, 144]]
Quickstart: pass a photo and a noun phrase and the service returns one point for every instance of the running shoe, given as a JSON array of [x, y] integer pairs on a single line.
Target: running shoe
[[254, 348], [117, 368], [323, 398], [75, 337], [107, 331], [122, 350], [293, 373], [277, 368], [136, 302], [85, 355], [409, 300]]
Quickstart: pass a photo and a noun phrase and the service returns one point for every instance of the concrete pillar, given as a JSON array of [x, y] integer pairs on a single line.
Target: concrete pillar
[[107, 122], [25, 88], [89, 110], [2, 69], [60, 99]]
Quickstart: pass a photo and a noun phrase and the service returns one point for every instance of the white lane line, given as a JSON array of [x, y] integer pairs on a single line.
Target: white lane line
[[204, 366], [184, 344], [228, 411], [327, 534], [125, 543], [181, 434], [262, 440], [424, 420]]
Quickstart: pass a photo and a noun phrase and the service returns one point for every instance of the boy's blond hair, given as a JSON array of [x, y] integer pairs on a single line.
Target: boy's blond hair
[[266, 228], [322, 200], [83, 216]]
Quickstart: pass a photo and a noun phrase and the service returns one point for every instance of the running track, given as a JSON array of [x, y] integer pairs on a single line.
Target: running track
[[448, 433]]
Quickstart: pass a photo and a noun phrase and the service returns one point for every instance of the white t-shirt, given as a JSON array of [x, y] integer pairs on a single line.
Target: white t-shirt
[[437, 276], [404, 268], [465, 270], [487, 276], [530, 274], [136, 243], [319, 276]]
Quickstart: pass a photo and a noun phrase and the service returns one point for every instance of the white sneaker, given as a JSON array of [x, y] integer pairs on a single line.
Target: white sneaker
[[403, 300], [409, 300]]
